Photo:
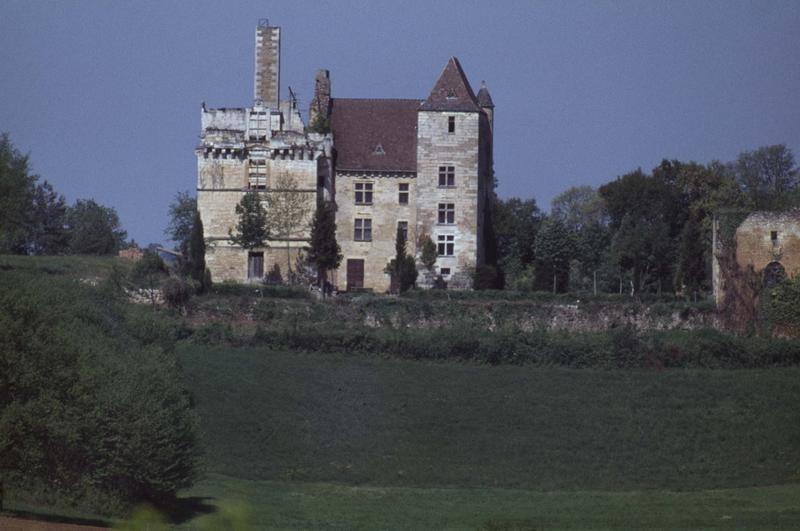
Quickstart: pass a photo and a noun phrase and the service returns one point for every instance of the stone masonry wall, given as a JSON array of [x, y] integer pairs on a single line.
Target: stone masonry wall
[[437, 147], [385, 212]]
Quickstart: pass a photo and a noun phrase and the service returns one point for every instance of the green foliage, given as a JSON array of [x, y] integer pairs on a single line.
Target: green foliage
[[783, 310], [182, 219], [47, 233], [324, 250], [251, 228], [578, 207], [516, 223], [403, 267], [16, 194], [768, 177], [197, 254], [320, 124], [93, 410], [485, 277], [177, 291], [428, 255], [555, 247], [94, 229]]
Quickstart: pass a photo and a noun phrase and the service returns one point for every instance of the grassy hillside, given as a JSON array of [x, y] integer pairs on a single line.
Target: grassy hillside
[[83, 267], [285, 416]]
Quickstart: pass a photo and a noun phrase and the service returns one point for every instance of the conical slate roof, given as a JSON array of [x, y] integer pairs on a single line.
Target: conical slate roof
[[451, 91], [484, 99]]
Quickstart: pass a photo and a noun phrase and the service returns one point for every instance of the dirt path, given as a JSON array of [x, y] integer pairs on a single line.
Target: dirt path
[[19, 524]]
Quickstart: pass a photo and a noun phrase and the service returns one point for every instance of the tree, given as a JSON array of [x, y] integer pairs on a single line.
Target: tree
[[516, 223], [768, 176], [288, 210], [403, 267], [182, 212], [324, 251], [16, 194], [578, 207], [47, 232], [93, 406], [94, 229], [429, 254], [147, 273], [555, 247], [251, 230], [197, 253], [642, 246]]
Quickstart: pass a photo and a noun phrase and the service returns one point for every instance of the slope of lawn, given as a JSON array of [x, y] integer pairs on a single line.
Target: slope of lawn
[[381, 422], [298, 505]]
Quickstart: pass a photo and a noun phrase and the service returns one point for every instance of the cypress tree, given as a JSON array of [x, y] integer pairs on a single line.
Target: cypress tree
[[325, 251], [197, 252]]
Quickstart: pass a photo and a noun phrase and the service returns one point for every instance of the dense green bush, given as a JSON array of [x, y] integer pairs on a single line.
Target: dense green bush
[[784, 306], [93, 410]]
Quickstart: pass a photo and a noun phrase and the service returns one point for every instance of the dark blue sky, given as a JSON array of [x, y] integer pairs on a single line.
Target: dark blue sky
[[105, 96]]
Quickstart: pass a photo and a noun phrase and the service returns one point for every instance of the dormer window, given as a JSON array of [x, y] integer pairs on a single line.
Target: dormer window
[[451, 94], [379, 150]]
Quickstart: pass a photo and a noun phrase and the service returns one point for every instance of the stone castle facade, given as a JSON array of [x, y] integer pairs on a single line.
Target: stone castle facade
[[422, 165]]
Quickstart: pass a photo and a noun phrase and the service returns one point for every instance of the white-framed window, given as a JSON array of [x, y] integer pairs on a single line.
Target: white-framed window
[[257, 174], [363, 230], [445, 244], [447, 176], [363, 193], [403, 227], [402, 193], [447, 213]]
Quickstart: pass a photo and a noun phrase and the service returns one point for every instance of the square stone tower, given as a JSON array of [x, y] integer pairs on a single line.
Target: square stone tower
[[268, 65]]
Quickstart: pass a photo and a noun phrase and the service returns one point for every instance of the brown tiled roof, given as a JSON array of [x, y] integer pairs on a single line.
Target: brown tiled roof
[[375, 135], [451, 91]]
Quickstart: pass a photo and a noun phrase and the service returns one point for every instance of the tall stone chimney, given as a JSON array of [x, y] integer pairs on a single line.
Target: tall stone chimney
[[268, 65], [321, 104]]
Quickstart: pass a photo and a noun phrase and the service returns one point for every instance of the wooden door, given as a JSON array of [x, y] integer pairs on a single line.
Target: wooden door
[[355, 274]]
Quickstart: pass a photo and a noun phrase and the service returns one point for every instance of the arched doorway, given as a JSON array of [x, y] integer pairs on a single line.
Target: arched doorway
[[774, 274]]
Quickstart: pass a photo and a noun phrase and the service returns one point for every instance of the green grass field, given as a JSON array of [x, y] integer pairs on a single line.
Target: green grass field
[[313, 441]]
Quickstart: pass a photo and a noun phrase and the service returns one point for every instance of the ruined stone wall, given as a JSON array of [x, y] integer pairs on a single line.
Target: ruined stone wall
[[437, 147], [385, 212], [755, 246]]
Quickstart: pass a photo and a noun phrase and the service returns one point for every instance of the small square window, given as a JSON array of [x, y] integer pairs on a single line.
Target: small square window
[[402, 193], [447, 176], [445, 271], [451, 124], [773, 236], [447, 213], [363, 193], [445, 244], [363, 230]]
